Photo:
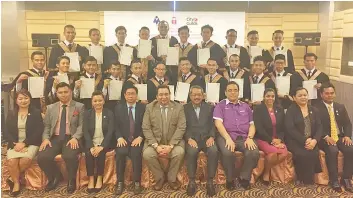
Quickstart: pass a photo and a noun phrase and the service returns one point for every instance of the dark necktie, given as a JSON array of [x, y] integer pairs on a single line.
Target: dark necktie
[[309, 74], [278, 74], [233, 76], [277, 48], [132, 124], [62, 130], [230, 46], [211, 79], [163, 37], [184, 78], [40, 73], [121, 45], [204, 45], [91, 77], [70, 46], [160, 82], [255, 79]]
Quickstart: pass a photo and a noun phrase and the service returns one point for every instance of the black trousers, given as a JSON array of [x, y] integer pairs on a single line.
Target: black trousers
[[46, 158], [135, 154], [331, 154], [98, 162], [192, 155]]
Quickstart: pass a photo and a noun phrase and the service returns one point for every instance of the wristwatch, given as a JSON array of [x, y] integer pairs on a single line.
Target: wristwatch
[[250, 137]]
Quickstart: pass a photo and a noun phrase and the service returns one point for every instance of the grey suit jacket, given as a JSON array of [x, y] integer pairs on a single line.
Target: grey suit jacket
[[76, 113], [152, 124]]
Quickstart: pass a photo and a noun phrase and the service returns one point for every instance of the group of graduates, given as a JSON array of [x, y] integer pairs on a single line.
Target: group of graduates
[[158, 127]]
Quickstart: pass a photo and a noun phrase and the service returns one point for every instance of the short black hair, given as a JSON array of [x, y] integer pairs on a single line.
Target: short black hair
[[183, 59], [280, 57], [232, 83], [115, 63], [58, 60], [268, 90], [92, 30], [144, 28], [325, 86], [97, 93], [310, 55], [120, 28], [234, 55], [89, 58], [232, 30], [259, 58], [160, 63], [207, 27], [299, 89], [68, 26], [185, 27], [63, 84], [252, 32], [134, 61], [37, 53], [163, 87], [278, 31], [212, 59], [131, 87]]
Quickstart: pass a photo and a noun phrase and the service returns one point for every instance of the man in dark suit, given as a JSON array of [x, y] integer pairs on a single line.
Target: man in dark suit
[[200, 136], [62, 133], [129, 116], [337, 132]]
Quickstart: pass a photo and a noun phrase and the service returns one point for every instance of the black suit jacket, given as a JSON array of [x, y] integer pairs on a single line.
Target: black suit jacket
[[202, 128], [122, 122], [342, 119], [89, 127], [263, 123], [294, 122], [34, 128]]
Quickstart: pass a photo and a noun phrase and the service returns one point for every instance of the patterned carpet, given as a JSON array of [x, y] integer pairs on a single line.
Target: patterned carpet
[[258, 190]]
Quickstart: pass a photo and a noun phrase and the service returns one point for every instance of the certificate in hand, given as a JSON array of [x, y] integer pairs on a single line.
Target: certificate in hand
[[231, 51], [212, 90], [115, 87], [309, 85], [173, 56], [144, 48], [162, 47], [240, 82], [142, 89], [74, 61], [257, 91], [87, 87], [96, 52], [36, 86], [126, 55], [255, 51], [182, 92], [283, 85], [171, 88], [203, 55]]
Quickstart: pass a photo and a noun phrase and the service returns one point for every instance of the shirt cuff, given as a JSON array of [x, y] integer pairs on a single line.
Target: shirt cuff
[[252, 122], [216, 118]]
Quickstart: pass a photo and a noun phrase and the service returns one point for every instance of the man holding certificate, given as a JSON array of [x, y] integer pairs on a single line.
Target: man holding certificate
[[282, 81], [309, 78], [95, 49], [234, 122], [68, 47], [134, 78], [115, 52], [112, 85], [232, 48], [255, 50], [159, 79], [198, 57], [259, 81], [238, 75], [214, 77], [88, 82]]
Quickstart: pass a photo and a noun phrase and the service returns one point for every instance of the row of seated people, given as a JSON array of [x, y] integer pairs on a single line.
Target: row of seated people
[[167, 129]]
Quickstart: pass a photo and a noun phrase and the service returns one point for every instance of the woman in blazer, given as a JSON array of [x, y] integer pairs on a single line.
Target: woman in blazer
[[24, 135], [303, 132], [269, 124], [98, 129]]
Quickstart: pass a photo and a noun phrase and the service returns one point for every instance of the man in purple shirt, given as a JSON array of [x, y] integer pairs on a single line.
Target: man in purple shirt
[[234, 122]]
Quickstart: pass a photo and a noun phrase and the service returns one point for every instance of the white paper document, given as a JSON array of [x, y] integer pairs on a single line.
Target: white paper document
[[96, 52], [309, 85], [115, 87], [240, 82], [126, 55], [283, 85], [144, 48], [173, 56], [87, 87], [231, 51], [212, 90], [255, 51], [36, 86], [162, 47], [202, 56], [257, 92], [142, 89], [74, 61], [182, 92], [171, 88], [63, 78]]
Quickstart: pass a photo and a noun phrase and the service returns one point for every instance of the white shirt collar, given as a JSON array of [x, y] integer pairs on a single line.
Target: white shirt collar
[[185, 44], [187, 75], [36, 70], [67, 42], [135, 77], [227, 101], [306, 70], [228, 46], [281, 73], [61, 74], [275, 48], [89, 76], [328, 105], [92, 44], [206, 42], [259, 76], [233, 72], [214, 75], [124, 44], [113, 78], [165, 37], [133, 106], [158, 79]]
